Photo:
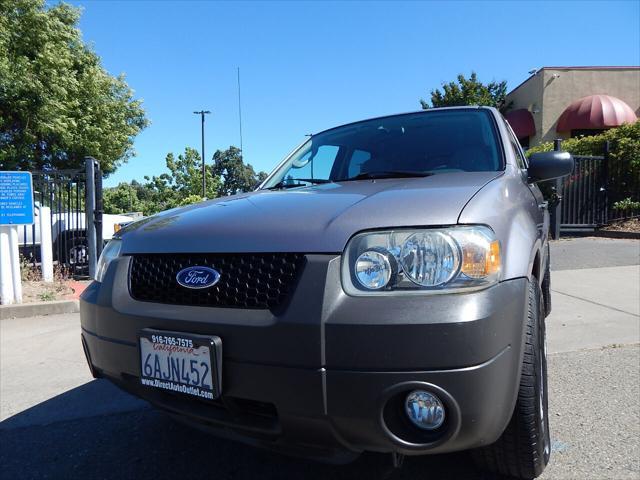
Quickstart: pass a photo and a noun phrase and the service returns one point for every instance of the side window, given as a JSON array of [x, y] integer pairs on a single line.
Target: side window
[[355, 164], [517, 151], [522, 163]]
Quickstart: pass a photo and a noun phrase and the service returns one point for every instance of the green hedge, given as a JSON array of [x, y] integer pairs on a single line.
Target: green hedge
[[624, 142], [624, 161]]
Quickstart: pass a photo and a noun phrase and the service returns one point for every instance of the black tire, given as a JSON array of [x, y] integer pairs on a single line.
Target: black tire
[[546, 285], [523, 449]]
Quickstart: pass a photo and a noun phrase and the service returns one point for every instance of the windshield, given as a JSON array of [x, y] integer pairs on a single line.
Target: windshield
[[409, 145]]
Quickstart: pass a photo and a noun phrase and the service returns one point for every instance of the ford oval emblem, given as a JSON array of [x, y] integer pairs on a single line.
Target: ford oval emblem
[[197, 277]]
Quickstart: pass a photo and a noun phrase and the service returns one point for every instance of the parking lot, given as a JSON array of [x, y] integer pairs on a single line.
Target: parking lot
[[57, 422]]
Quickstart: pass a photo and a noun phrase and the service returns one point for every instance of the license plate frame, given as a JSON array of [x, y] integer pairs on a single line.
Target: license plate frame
[[183, 346]]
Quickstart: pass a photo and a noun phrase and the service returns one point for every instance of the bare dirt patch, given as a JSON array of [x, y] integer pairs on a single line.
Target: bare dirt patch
[[630, 225], [37, 291]]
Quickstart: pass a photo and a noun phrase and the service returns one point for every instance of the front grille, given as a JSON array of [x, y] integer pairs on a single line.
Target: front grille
[[247, 280]]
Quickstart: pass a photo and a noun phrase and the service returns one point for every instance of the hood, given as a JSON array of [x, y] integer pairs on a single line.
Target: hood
[[315, 219]]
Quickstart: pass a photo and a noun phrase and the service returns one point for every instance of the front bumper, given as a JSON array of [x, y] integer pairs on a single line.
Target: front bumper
[[327, 374]]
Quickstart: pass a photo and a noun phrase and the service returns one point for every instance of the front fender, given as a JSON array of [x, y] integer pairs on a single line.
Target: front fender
[[507, 205]]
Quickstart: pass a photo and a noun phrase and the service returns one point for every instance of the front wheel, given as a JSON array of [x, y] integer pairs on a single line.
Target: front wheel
[[523, 449]]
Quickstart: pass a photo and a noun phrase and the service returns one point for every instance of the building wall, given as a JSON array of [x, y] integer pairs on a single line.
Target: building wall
[[554, 89], [571, 85], [529, 96]]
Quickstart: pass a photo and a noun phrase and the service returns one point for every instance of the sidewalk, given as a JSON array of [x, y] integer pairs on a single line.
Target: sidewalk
[[594, 307]]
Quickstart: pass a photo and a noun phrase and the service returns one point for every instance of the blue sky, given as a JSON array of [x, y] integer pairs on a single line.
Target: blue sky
[[307, 66]]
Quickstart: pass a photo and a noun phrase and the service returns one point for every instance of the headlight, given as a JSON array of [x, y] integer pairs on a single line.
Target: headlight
[[374, 269], [109, 253], [430, 259], [424, 260]]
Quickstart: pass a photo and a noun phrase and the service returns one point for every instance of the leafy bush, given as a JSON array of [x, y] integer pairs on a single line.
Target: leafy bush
[[624, 161], [626, 205], [624, 143]]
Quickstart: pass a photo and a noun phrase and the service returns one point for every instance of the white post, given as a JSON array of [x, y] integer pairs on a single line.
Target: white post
[[6, 280], [14, 250], [46, 246], [90, 208]]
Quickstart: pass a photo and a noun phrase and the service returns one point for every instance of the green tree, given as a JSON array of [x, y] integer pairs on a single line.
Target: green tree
[[468, 91], [262, 176], [124, 198], [57, 103], [236, 176], [183, 181]]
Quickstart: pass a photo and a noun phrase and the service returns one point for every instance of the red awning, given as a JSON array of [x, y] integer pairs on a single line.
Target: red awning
[[522, 123], [595, 112]]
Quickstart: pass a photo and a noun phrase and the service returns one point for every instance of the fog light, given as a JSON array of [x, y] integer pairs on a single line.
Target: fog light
[[424, 409]]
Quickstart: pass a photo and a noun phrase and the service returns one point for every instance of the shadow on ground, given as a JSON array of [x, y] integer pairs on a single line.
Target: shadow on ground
[[96, 431]]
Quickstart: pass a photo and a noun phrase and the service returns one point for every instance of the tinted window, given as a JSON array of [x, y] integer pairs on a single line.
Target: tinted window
[[358, 158], [435, 142], [517, 151], [522, 163], [315, 163]]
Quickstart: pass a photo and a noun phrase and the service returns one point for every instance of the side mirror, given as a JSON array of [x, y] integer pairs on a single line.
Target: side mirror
[[549, 165]]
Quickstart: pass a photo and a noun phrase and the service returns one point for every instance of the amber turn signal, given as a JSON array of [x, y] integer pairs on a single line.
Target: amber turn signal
[[479, 261]]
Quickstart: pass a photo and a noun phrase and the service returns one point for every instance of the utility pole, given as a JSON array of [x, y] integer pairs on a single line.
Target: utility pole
[[240, 116], [202, 113]]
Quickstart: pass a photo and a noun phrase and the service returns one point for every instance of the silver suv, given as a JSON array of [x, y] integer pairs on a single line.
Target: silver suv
[[385, 289]]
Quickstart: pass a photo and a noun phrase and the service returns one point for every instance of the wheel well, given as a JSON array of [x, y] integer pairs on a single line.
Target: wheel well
[[535, 271]]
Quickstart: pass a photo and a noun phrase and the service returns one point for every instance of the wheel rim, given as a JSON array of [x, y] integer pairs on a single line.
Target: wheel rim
[[78, 255]]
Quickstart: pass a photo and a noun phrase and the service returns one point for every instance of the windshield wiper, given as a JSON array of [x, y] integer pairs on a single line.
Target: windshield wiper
[[287, 183], [388, 174]]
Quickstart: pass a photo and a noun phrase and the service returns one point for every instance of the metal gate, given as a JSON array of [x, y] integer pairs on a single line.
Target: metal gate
[[589, 195], [584, 202], [73, 217]]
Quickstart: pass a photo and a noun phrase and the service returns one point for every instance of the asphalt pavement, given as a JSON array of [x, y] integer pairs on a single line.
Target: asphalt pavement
[[57, 422]]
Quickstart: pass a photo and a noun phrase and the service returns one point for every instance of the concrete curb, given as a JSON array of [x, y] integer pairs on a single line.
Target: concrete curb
[[33, 309], [622, 234], [617, 234]]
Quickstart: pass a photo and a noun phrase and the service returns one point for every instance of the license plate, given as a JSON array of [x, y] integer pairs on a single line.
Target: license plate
[[181, 362]]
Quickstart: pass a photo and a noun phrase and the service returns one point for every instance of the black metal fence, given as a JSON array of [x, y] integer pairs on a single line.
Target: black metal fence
[[590, 195], [584, 203], [65, 193]]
